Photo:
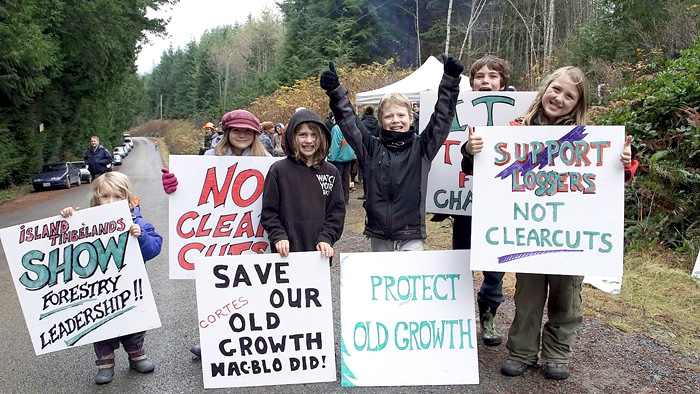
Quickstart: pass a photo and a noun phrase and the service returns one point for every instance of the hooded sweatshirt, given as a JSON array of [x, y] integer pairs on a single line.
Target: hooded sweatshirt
[[303, 204]]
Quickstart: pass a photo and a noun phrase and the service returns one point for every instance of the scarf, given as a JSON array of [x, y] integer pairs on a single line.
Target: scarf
[[395, 140]]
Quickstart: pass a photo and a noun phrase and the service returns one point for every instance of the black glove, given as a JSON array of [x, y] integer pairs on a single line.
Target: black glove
[[329, 78], [453, 67]]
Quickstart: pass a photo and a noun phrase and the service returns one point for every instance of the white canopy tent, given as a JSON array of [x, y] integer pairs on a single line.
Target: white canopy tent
[[426, 77]]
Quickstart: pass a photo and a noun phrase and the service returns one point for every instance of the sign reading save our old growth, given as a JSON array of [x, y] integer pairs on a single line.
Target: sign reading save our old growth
[[80, 279], [265, 319], [549, 199], [216, 209]]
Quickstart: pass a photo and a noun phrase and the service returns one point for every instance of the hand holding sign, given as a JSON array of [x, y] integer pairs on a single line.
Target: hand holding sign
[[626, 156], [325, 248], [282, 247], [475, 143]]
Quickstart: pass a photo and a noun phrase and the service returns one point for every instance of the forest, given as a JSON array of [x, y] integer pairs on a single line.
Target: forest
[[67, 72]]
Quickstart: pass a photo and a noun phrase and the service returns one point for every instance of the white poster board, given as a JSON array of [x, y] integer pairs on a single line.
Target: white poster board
[[449, 189], [265, 320], [407, 318], [561, 214], [80, 279], [608, 284], [696, 269], [215, 210]]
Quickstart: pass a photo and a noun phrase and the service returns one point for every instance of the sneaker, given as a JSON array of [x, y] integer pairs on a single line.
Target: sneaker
[[556, 371], [196, 350], [104, 375], [143, 366], [512, 367], [489, 333]]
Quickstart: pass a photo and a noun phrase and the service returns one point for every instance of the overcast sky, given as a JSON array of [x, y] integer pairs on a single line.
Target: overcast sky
[[190, 18]]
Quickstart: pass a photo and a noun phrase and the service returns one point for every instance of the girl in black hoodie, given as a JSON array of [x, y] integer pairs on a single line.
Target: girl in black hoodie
[[303, 204]]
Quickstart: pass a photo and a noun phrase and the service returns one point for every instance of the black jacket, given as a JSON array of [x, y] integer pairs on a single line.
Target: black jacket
[[303, 204], [97, 160], [371, 124], [397, 179]]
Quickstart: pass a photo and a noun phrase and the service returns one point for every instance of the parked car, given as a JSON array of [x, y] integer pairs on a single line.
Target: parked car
[[129, 140], [119, 150], [57, 174], [85, 175], [116, 160]]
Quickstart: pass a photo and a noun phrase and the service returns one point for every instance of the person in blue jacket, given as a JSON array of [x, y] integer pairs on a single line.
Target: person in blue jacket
[[97, 158], [112, 187]]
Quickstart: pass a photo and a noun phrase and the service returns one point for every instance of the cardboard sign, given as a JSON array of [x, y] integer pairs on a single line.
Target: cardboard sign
[[407, 318], [265, 319], [80, 279], [696, 269], [216, 209], [449, 189], [550, 200]]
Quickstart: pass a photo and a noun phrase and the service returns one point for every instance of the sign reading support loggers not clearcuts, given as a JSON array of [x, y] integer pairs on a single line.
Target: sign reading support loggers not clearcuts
[[549, 200], [265, 319], [407, 318], [80, 279]]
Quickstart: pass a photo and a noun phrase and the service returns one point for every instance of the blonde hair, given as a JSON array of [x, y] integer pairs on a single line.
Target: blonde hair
[[323, 145], [224, 147], [396, 99], [115, 181], [578, 115], [267, 125]]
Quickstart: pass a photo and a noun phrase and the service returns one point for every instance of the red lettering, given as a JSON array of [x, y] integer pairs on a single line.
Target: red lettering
[[223, 225], [463, 178], [210, 186], [181, 222], [237, 249], [448, 144], [502, 147], [181, 258], [201, 231], [238, 184], [245, 227], [260, 247]]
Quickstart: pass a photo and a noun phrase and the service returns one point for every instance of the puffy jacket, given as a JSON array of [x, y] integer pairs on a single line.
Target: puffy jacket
[[340, 151], [97, 160], [397, 178], [150, 241]]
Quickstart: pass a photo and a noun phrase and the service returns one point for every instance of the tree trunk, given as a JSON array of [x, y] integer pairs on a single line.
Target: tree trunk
[[418, 36], [449, 17]]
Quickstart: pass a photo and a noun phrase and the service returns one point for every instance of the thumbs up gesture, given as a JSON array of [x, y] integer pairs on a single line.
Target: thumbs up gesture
[[626, 156], [329, 78], [475, 143]]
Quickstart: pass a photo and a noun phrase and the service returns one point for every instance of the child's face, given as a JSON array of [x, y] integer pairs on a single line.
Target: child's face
[[559, 99], [107, 195], [240, 139], [486, 79], [306, 141], [396, 118]]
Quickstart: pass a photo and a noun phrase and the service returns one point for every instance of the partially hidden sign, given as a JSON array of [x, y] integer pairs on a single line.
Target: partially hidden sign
[[550, 200], [80, 279], [216, 208], [407, 318], [449, 189], [265, 319]]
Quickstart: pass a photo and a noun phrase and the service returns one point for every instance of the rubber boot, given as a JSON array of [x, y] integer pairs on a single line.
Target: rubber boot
[[104, 375]]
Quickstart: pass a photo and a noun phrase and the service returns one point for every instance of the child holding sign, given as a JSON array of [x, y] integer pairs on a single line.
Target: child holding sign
[[397, 162], [108, 188], [562, 100], [303, 204]]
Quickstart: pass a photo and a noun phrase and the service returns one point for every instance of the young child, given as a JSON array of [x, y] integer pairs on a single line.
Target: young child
[[489, 73], [303, 205], [397, 162], [108, 188], [241, 138], [562, 100]]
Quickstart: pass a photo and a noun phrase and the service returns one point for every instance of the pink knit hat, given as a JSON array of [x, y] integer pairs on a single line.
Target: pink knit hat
[[241, 119]]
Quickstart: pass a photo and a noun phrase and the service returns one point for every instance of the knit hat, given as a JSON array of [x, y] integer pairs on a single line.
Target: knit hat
[[241, 119]]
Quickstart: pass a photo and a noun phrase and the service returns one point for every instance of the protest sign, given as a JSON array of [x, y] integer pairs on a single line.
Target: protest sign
[[265, 319], [407, 318], [608, 284], [696, 269], [216, 209], [550, 200], [80, 279], [449, 189]]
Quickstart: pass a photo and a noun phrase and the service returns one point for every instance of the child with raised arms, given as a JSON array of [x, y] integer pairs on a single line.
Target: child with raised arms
[[108, 188], [303, 204], [397, 161], [561, 100]]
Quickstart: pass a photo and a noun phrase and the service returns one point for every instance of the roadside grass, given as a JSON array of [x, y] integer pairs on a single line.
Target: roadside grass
[[164, 151], [13, 192], [657, 298]]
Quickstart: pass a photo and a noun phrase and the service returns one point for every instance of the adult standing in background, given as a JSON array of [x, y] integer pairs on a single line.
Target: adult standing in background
[[97, 158], [266, 135], [277, 139], [209, 134]]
